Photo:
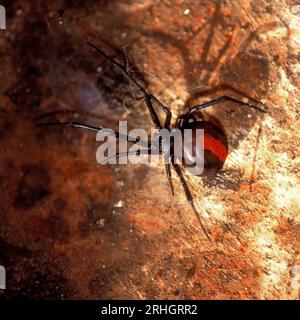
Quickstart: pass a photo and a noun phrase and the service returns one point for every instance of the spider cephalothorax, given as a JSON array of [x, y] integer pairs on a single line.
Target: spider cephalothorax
[[215, 141]]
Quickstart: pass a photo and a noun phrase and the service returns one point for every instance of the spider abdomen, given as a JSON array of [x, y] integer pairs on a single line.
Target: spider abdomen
[[215, 147]]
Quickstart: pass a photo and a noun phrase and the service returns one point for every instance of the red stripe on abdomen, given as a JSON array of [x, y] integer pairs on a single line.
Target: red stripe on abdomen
[[215, 146]]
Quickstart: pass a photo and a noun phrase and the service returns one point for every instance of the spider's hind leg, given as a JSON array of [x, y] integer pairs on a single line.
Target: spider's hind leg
[[189, 196]]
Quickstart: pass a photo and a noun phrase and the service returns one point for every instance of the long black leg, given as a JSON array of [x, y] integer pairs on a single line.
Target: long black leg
[[165, 109], [69, 123], [95, 129], [217, 101], [148, 97], [127, 153], [169, 177], [189, 196]]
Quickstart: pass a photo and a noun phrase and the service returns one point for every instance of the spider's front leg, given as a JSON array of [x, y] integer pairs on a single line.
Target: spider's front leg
[[216, 101], [88, 127], [149, 98]]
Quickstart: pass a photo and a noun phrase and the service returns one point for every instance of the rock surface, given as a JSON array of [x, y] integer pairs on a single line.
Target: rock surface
[[62, 235]]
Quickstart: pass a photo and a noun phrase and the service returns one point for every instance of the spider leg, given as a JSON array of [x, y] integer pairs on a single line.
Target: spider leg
[[148, 97], [127, 153], [189, 196], [71, 124], [169, 177], [95, 129], [217, 101], [165, 109]]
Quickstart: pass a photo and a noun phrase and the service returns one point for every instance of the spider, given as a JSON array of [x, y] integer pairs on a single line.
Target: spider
[[215, 141]]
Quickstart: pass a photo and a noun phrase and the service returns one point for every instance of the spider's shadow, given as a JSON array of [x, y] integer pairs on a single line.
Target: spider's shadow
[[251, 75], [244, 74]]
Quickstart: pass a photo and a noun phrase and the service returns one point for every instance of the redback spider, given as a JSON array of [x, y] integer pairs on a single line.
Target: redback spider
[[215, 141]]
